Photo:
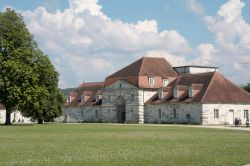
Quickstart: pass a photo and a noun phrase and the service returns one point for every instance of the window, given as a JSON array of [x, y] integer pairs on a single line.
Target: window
[[246, 115], [132, 97], [82, 114], [97, 98], [108, 112], [165, 82], [96, 113], [159, 113], [151, 81], [109, 99], [160, 94], [82, 98], [120, 85], [69, 99], [174, 113], [175, 93], [190, 94], [216, 113]]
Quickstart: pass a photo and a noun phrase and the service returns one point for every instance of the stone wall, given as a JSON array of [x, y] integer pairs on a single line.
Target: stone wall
[[227, 113], [81, 114], [164, 113], [133, 98], [16, 117]]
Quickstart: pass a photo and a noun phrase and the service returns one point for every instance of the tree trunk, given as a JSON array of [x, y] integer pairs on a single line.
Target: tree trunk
[[8, 118], [40, 120]]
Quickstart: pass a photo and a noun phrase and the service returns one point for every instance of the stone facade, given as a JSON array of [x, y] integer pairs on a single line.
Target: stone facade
[[174, 113], [226, 113]]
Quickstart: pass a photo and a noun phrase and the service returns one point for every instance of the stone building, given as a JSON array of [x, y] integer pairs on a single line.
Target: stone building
[[150, 90], [16, 117]]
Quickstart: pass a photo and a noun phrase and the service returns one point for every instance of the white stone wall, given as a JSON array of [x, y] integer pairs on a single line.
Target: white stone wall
[[167, 116], [81, 114], [16, 117], [110, 102], [225, 117]]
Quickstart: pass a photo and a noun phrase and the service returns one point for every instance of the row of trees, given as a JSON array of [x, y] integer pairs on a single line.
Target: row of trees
[[28, 80]]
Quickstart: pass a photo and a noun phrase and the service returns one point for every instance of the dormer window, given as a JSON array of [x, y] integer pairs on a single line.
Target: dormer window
[[161, 94], [151, 82], [69, 99], [165, 82], [190, 92], [97, 98], [175, 93], [82, 98]]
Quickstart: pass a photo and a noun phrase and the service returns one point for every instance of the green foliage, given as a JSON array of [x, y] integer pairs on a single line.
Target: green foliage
[[247, 87], [106, 144], [28, 80], [66, 91]]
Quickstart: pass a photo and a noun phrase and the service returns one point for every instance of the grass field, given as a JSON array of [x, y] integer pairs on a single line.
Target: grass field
[[107, 144]]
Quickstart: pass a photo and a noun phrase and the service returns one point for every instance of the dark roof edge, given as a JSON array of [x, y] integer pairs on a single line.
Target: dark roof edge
[[212, 67]]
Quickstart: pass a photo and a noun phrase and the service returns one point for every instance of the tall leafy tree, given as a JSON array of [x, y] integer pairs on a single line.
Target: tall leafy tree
[[28, 81]]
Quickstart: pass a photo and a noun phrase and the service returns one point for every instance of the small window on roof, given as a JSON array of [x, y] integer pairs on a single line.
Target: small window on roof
[[190, 94], [165, 82], [151, 81], [82, 98], [160, 94], [175, 93], [69, 99]]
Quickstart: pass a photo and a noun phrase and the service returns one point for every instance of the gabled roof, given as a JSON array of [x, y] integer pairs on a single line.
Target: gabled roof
[[146, 66], [214, 88], [89, 88], [222, 90]]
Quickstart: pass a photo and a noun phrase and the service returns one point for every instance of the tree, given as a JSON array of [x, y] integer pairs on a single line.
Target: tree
[[247, 87], [47, 100], [28, 81]]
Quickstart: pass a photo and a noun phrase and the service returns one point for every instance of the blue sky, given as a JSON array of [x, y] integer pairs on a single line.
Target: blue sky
[[199, 31]]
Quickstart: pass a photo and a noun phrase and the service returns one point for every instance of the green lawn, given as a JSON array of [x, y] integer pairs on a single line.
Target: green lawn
[[107, 144]]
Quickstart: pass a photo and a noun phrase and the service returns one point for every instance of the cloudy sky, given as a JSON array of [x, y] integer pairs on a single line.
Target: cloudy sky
[[90, 39]]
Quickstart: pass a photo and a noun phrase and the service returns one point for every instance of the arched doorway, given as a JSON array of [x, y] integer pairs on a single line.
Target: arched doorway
[[121, 113]]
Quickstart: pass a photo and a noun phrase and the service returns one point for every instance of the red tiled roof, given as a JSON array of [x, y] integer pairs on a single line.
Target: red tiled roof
[[90, 89], [213, 87], [146, 66]]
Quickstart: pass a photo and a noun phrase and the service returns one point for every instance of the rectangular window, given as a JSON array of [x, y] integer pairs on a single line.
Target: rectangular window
[[96, 113], [109, 99], [246, 115], [175, 93], [109, 113], [174, 113], [216, 113], [82, 98], [159, 113], [165, 82], [132, 97], [151, 81], [69, 99], [190, 94]]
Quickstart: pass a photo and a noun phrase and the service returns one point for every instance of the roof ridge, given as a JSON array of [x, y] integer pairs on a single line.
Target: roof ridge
[[143, 59], [208, 87]]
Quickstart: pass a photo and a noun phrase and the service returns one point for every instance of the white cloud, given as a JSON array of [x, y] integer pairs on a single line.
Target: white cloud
[[232, 40], [85, 44], [195, 7], [205, 54]]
